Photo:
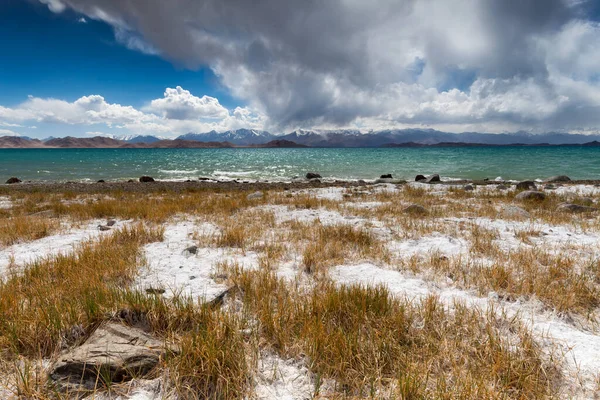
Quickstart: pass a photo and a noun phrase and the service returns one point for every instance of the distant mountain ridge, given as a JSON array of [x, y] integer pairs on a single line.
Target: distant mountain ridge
[[309, 138]]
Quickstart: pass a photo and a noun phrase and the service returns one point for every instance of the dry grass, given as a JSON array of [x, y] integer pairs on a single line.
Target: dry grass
[[337, 243], [22, 229], [372, 344]]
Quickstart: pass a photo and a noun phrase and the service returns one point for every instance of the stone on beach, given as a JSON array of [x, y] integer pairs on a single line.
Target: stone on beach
[[255, 196], [419, 178], [530, 195], [468, 188], [502, 187], [313, 175], [558, 178], [433, 178], [386, 176], [514, 212], [146, 179], [114, 352], [526, 185], [575, 208], [13, 180]]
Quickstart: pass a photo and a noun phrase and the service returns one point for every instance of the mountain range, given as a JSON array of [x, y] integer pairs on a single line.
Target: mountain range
[[306, 138]]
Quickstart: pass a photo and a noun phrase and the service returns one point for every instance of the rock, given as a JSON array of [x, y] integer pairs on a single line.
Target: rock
[[111, 222], [433, 178], [526, 185], [220, 298], [101, 181], [146, 179], [558, 178], [255, 196], [192, 250], [416, 209], [514, 212], [130, 181], [202, 178], [113, 353], [530, 195], [13, 180], [549, 187], [468, 188], [575, 208], [104, 228], [386, 176], [419, 178], [361, 182], [502, 187], [313, 175]]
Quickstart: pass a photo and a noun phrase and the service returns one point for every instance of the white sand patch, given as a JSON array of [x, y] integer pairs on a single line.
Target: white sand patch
[[283, 379], [177, 271], [25, 253], [384, 188], [581, 349], [5, 202], [365, 205], [139, 389], [437, 242], [580, 190], [285, 214]]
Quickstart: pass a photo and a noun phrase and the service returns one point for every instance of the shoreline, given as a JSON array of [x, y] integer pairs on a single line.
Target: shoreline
[[201, 185]]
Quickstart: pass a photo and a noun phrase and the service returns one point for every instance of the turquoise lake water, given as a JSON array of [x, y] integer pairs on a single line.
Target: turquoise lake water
[[285, 164]]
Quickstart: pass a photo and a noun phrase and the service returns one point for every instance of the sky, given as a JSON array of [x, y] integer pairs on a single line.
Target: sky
[[166, 68]]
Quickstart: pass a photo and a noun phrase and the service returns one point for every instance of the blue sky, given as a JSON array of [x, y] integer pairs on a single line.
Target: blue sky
[[109, 67]]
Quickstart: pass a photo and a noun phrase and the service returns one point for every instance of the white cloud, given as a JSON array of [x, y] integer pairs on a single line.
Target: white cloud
[[180, 104], [176, 113], [7, 132]]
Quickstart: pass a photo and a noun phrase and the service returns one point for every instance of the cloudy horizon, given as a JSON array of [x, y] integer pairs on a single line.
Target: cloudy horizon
[[167, 69]]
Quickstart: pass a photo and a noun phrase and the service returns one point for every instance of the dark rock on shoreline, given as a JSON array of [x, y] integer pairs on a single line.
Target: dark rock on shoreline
[[526, 185], [13, 180], [386, 176], [530, 195], [419, 178], [313, 175], [146, 179], [433, 178], [558, 178], [575, 208]]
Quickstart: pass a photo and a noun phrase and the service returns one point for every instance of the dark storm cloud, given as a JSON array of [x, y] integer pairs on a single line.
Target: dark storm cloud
[[314, 62]]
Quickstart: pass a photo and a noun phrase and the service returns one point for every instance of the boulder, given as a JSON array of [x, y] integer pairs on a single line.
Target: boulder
[[313, 175], [502, 187], [514, 212], [558, 178], [111, 222], [419, 178], [386, 176], [433, 178], [103, 228], [468, 188], [130, 181], [146, 179], [100, 181], [255, 196], [416, 209], [575, 208], [549, 187], [526, 185], [191, 250], [530, 195], [113, 353], [13, 180]]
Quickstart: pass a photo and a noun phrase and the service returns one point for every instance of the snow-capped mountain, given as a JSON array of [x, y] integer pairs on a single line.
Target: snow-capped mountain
[[241, 137], [140, 138]]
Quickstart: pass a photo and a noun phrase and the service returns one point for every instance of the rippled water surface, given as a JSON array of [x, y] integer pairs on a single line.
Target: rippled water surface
[[285, 164]]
